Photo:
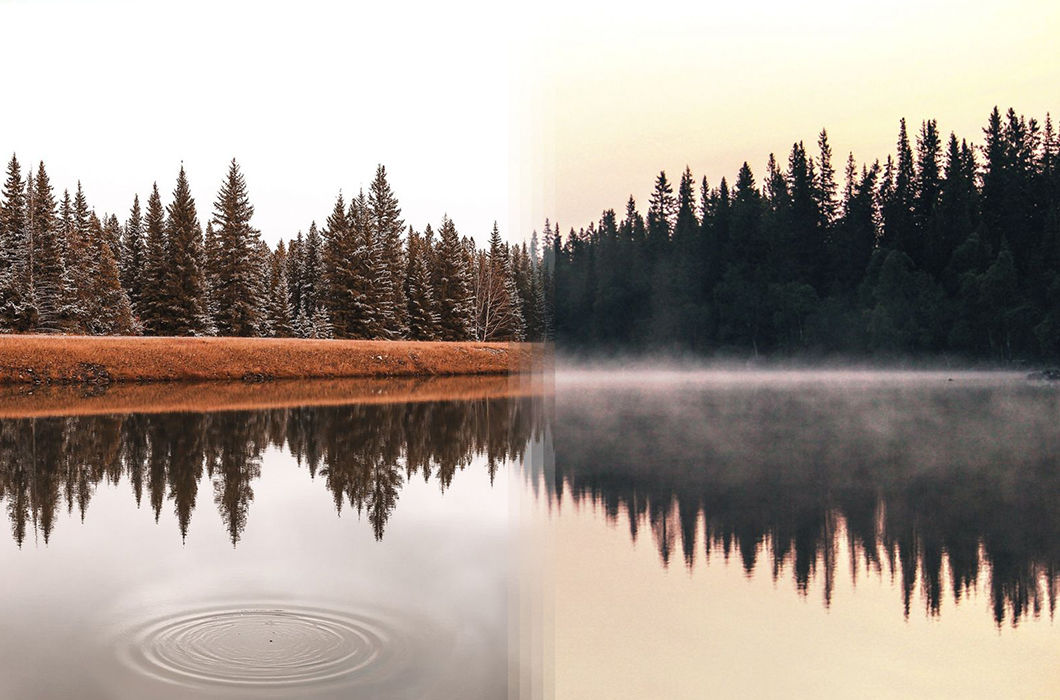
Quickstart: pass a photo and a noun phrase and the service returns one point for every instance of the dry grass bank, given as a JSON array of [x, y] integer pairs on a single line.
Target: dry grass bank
[[28, 359], [32, 401]]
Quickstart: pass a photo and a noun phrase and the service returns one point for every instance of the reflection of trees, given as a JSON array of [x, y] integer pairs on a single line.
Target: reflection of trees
[[364, 453], [932, 488]]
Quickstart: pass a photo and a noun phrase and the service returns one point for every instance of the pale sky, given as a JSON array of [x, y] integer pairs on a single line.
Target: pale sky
[[635, 89], [485, 111]]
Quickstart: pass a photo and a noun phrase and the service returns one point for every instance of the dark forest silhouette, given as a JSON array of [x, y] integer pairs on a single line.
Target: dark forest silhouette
[[917, 478], [362, 454], [945, 248]]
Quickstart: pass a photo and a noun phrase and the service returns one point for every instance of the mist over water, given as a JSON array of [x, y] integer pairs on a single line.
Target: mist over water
[[941, 480]]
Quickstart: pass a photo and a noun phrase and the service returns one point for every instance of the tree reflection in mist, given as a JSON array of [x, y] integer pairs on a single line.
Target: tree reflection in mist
[[934, 488]]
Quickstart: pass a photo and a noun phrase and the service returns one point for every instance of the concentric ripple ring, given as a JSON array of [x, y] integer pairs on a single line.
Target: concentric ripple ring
[[264, 646]]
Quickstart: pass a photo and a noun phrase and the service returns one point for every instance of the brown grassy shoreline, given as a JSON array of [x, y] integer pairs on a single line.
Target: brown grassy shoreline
[[28, 359]]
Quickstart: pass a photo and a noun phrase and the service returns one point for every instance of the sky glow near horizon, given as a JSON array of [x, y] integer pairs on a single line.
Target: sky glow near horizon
[[557, 110]]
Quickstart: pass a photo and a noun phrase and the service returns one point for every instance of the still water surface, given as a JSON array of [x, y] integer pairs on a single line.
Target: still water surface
[[806, 534], [641, 535]]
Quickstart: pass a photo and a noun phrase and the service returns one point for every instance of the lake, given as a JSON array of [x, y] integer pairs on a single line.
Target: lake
[[590, 534]]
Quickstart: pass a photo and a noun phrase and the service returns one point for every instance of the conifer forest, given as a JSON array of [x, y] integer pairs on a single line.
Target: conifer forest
[[948, 248], [362, 274]]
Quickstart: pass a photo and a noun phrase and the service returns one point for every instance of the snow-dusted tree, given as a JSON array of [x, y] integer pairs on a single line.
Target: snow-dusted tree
[[108, 304], [82, 266], [278, 309], [185, 284], [294, 276], [133, 258], [422, 318], [312, 272], [525, 277], [367, 303], [16, 307], [154, 293], [498, 312], [452, 288], [387, 226], [112, 235], [47, 243], [238, 295], [319, 325]]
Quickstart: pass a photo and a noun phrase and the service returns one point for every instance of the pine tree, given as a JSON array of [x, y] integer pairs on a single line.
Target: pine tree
[[111, 312], [185, 283], [365, 299], [498, 310], [387, 226], [238, 292], [312, 272], [826, 185], [451, 285], [278, 312], [294, 277], [421, 316], [154, 293], [16, 310], [133, 257], [47, 243], [79, 305], [660, 216]]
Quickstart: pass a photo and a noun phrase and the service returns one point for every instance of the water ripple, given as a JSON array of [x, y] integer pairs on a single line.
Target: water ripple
[[266, 646]]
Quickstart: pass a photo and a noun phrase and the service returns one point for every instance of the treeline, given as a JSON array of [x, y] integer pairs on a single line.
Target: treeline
[[945, 248], [364, 274], [364, 453]]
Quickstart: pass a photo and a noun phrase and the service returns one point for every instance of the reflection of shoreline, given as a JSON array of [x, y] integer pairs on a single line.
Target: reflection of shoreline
[[363, 453], [934, 485], [20, 401]]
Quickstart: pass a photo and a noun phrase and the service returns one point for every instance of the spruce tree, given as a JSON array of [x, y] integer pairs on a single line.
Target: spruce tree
[[184, 281], [337, 252], [278, 314], [661, 214], [154, 292], [133, 256], [387, 226], [294, 276], [365, 302], [451, 285], [421, 315], [312, 272], [47, 242], [238, 293], [109, 307], [16, 310]]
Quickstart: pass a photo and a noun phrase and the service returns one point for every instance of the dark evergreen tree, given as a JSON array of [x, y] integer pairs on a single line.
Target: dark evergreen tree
[[422, 318], [184, 276], [154, 295], [451, 285], [238, 294], [47, 268], [385, 219], [16, 303], [134, 256]]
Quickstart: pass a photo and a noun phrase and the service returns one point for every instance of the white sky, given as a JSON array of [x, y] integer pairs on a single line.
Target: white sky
[[486, 111]]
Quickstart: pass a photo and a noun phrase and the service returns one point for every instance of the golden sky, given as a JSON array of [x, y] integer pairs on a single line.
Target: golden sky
[[619, 93]]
